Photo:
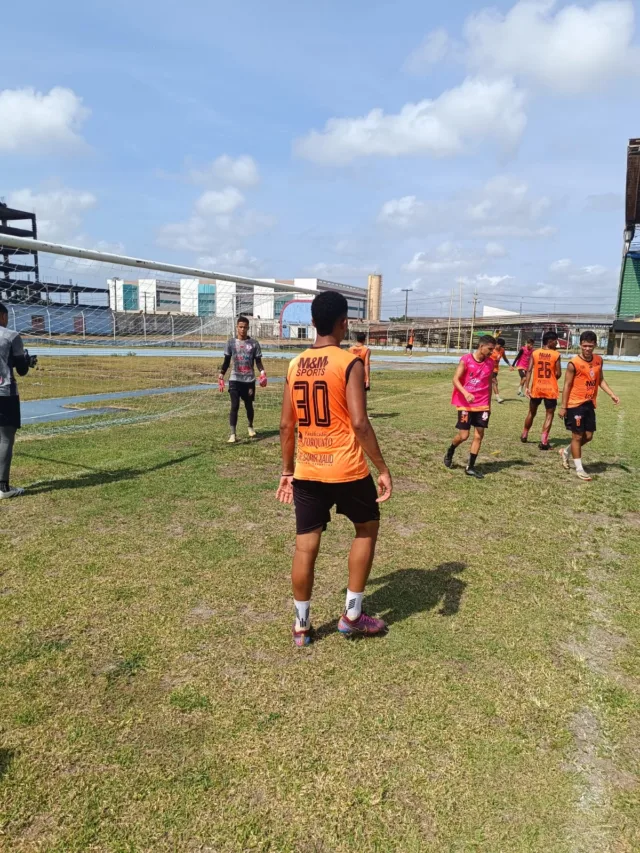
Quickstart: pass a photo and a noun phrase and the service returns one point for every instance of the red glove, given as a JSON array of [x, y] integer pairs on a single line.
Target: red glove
[[221, 384], [263, 380]]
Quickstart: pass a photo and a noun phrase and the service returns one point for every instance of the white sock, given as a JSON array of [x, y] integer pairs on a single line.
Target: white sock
[[353, 605], [578, 464], [566, 452], [302, 614]]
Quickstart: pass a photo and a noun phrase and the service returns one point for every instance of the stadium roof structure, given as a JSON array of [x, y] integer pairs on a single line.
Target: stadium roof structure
[[629, 290]]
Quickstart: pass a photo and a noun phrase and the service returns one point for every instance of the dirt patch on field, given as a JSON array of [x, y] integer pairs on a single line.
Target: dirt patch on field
[[404, 484], [201, 613]]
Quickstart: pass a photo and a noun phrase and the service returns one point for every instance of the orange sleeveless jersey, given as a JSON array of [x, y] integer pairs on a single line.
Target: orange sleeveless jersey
[[496, 355], [328, 450], [586, 381], [361, 352], [544, 384]]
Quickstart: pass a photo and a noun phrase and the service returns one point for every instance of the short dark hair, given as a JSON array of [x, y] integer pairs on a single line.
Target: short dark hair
[[3, 309], [530, 341], [549, 336], [483, 340], [501, 342], [326, 309], [242, 319], [361, 337], [588, 337]]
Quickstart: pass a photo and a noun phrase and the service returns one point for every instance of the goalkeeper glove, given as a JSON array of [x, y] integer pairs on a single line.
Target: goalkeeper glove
[[263, 379], [221, 384]]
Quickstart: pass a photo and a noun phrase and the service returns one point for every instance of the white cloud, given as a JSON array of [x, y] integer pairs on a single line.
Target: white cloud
[[402, 212], [448, 257], [495, 250], [559, 266], [433, 49], [214, 202], [502, 208], [340, 270], [568, 49], [240, 172], [460, 118], [59, 211], [35, 123], [238, 261]]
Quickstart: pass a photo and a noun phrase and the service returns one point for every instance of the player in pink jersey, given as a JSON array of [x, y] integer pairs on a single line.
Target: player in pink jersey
[[522, 361], [472, 384]]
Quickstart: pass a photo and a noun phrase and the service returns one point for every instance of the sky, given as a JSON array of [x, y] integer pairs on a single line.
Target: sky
[[445, 146]]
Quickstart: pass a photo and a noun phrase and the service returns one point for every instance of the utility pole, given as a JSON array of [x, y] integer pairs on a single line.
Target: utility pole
[[406, 291], [473, 319], [449, 323], [460, 315]]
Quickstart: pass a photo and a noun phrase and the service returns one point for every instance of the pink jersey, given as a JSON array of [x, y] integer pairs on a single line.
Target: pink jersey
[[525, 358], [476, 379]]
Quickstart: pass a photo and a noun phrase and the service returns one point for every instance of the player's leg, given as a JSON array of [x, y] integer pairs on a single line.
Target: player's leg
[[476, 444], [7, 440], [302, 576], [312, 505], [234, 396], [528, 421], [358, 501], [550, 410], [496, 389], [248, 404], [463, 434]]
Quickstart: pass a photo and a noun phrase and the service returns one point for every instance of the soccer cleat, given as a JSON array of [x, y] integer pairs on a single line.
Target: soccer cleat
[[252, 432], [564, 456], [542, 446], [499, 400], [232, 438], [471, 472], [12, 492], [524, 438], [582, 475], [301, 638], [448, 461], [362, 626]]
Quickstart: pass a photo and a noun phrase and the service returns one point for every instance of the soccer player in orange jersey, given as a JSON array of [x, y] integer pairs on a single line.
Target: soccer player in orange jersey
[[497, 354], [541, 382], [363, 352], [325, 404], [578, 408]]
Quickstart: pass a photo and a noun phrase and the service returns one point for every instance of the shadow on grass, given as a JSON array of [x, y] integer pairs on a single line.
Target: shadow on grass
[[6, 757], [56, 461], [263, 435], [406, 592], [383, 414], [603, 467], [99, 478], [495, 467]]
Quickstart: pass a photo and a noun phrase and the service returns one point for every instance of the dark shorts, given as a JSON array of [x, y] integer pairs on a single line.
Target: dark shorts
[[314, 501], [466, 420], [409, 346], [10, 411], [581, 418], [549, 402], [521, 373], [244, 390]]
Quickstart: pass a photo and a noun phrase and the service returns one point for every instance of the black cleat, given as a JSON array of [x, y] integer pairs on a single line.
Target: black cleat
[[524, 439], [448, 461], [542, 446], [471, 472]]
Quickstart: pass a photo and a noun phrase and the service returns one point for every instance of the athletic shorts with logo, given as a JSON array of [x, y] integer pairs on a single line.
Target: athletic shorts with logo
[[581, 418], [522, 373], [466, 419], [244, 390], [549, 402], [314, 501]]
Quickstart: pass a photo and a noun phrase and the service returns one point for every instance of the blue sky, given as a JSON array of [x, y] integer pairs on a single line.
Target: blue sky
[[476, 144]]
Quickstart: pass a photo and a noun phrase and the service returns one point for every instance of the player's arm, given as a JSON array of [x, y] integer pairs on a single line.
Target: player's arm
[[570, 375], [505, 359], [607, 389], [287, 447], [527, 379], [227, 360], [457, 383], [357, 405], [19, 359], [558, 369], [517, 358], [367, 369]]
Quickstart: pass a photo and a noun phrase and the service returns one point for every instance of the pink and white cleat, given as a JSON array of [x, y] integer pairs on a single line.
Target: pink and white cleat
[[362, 626]]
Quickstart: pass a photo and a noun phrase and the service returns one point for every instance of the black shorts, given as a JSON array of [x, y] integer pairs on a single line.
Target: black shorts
[[314, 500], [466, 420], [244, 390], [409, 346], [581, 418], [549, 402], [521, 373]]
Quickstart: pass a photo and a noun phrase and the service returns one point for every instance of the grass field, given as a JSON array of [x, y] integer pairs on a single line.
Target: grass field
[[151, 698]]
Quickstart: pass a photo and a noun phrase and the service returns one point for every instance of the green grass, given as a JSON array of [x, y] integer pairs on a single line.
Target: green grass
[[151, 697]]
